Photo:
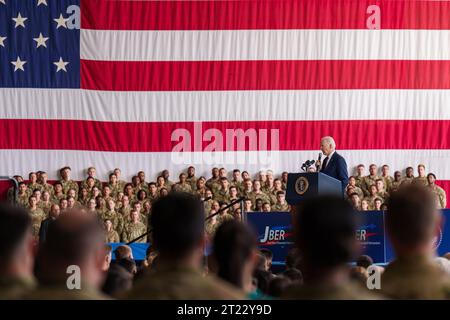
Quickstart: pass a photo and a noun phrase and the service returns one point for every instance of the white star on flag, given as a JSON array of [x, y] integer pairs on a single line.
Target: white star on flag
[[44, 2], [2, 41], [61, 65], [3, 1], [40, 41], [20, 21], [61, 22], [18, 64]]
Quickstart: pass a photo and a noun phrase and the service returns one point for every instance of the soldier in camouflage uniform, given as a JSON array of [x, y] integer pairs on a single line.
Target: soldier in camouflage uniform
[[262, 178], [414, 273], [142, 182], [63, 204], [387, 179], [83, 197], [16, 252], [89, 184], [211, 225], [45, 203], [33, 184], [191, 178], [114, 185], [129, 192], [72, 203], [268, 187], [134, 229], [106, 193], [237, 180], [248, 206], [234, 194], [266, 207], [92, 207], [248, 188], [325, 261], [257, 193], [45, 186], [167, 183], [373, 194], [66, 182], [118, 174], [62, 249], [281, 205], [152, 192], [224, 215], [208, 203], [176, 278], [223, 195], [438, 192], [201, 188], [381, 190], [370, 179], [213, 182], [396, 182], [23, 195], [409, 178], [359, 177], [354, 187], [136, 184], [160, 183], [91, 172], [111, 214], [111, 235], [182, 185], [146, 212], [37, 215], [125, 208], [422, 178]]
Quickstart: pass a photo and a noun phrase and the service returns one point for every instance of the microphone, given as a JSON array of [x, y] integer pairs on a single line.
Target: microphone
[[319, 162]]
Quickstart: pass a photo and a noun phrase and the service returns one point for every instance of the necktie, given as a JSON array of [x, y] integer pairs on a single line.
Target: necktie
[[325, 162]]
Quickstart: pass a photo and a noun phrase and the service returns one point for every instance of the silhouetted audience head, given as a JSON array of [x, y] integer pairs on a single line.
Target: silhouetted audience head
[[128, 264], [16, 244], [359, 274], [263, 278], [269, 256], [118, 281], [178, 226], [74, 239], [325, 234], [412, 220], [278, 285], [234, 250], [295, 275], [123, 252], [293, 259], [364, 261]]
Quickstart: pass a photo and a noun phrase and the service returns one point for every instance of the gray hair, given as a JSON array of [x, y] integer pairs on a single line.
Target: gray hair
[[329, 140], [443, 264]]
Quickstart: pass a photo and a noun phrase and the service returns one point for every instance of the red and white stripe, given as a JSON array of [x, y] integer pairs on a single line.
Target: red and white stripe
[[304, 68]]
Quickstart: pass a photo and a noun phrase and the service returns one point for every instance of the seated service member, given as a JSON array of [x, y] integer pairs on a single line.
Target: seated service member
[[412, 222], [179, 236], [325, 259]]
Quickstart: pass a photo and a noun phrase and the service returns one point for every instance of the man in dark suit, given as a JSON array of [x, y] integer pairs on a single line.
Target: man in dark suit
[[53, 214], [334, 164]]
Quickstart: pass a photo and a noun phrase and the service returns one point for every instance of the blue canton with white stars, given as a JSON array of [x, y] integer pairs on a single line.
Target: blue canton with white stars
[[39, 45]]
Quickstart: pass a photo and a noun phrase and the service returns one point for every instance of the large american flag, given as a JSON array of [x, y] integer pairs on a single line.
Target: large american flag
[[113, 92]]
